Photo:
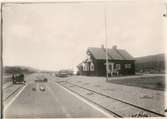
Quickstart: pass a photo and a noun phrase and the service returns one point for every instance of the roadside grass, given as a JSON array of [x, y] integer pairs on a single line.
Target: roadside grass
[[154, 82]]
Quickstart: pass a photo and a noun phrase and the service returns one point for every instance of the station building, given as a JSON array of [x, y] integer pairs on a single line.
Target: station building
[[120, 62]]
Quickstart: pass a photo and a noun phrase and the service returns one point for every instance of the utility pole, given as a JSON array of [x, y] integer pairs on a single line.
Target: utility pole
[[106, 41], [1, 62]]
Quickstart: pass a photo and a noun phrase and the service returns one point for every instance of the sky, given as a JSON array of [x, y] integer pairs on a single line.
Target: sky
[[54, 36]]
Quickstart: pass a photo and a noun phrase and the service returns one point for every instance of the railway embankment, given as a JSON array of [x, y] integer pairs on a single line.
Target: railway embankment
[[121, 99]]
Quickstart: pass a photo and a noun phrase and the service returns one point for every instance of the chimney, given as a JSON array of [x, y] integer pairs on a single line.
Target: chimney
[[102, 46], [114, 47]]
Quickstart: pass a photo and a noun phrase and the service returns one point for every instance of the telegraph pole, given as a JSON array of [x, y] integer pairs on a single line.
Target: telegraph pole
[[1, 62], [105, 23]]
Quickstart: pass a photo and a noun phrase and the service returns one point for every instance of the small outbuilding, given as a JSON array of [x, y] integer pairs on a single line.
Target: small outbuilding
[[120, 62]]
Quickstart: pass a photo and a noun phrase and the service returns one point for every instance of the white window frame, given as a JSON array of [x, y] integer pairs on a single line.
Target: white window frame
[[118, 66], [84, 67], [92, 67]]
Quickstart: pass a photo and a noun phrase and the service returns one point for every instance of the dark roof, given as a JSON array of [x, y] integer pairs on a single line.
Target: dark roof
[[113, 54]]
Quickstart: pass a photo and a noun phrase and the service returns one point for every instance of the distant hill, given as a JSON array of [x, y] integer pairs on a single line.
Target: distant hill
[[150, 64], [18, 69]]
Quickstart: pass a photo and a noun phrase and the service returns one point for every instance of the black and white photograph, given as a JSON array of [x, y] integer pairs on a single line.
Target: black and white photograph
[[83, 59]]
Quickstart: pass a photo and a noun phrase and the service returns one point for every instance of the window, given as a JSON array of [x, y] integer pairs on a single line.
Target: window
[[127, 66], [84, 67], [92, 67], [118, 66]]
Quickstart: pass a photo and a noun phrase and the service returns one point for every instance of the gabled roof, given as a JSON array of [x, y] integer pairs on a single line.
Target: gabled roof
[[113, 54]]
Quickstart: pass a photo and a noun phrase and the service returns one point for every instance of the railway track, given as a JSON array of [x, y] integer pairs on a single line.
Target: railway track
[[12, 93], [141, 112]]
